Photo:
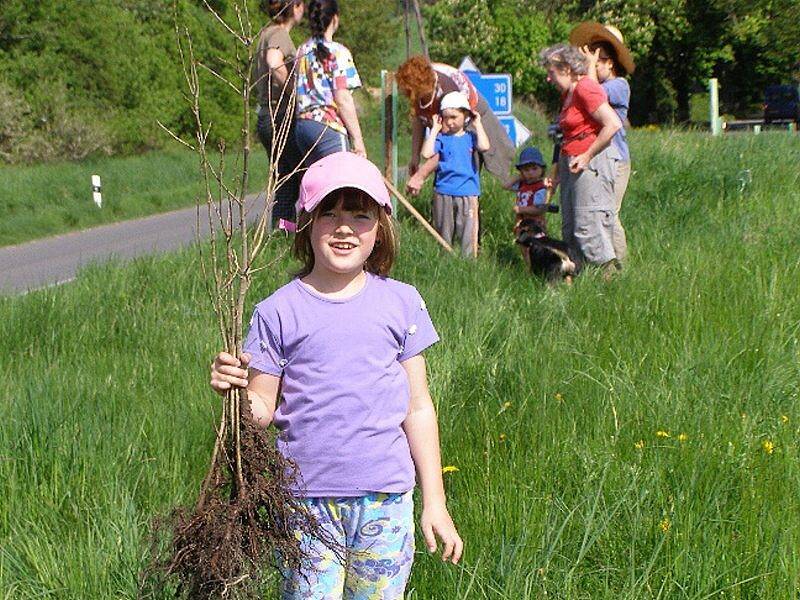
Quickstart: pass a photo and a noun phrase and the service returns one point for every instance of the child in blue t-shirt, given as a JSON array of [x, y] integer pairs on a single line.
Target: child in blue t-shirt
[[457, 187]]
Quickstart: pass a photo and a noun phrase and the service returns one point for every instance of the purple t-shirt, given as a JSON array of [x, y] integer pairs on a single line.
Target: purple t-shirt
[[345, 394]]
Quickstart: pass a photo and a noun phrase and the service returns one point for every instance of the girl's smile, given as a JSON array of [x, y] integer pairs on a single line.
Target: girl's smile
[[343, 240]]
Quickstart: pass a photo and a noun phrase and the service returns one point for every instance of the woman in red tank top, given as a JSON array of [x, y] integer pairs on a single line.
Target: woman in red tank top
[[587, 165]]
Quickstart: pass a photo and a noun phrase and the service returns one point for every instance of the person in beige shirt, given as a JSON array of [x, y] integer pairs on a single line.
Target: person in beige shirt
[[275, 84]]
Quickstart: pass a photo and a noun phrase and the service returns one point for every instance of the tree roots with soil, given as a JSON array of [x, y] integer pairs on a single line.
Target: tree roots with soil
[[243, 520]]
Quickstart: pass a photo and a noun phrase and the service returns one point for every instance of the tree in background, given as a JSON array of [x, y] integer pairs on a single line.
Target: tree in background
[[765, 39], [500, 36], [78, 78], [373, 31], [678, 45]]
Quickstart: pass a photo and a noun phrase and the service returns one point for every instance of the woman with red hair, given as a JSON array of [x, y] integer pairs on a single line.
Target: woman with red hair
[[425, 84]]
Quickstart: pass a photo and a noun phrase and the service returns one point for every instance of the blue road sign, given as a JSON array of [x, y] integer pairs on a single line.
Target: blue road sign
[[496, 88], [515, 129]]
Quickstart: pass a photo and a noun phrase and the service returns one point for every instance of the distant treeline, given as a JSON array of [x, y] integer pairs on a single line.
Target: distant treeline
[[678, 45], [79, 78]]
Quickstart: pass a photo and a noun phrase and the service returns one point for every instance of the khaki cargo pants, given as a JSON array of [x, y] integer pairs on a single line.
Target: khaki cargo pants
[[588, 207]]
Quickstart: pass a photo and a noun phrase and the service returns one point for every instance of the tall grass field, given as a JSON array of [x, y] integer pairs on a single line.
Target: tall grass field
[[632, 439]]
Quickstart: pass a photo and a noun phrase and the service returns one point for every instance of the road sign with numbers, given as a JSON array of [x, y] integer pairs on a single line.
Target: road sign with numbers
[[515, 129], [496, 88]]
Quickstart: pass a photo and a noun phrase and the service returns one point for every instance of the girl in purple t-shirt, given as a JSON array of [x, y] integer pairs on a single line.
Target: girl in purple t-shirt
[[342, 344]]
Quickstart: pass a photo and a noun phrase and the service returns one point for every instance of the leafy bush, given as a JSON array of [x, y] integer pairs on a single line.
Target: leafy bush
[[91, 77], [501, 36], [58, 131]]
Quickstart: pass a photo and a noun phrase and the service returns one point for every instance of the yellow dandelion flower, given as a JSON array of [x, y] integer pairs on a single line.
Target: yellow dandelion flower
[[683, 437], [665, 525], [506, 404], [662, 434], [784, 419], [502, 437], [449, 469], [639, 445], [559, 397], [768, 446]]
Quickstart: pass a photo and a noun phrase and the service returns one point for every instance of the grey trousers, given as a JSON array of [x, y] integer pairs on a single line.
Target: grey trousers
[[458, 216], [620, 185], [588, 213]]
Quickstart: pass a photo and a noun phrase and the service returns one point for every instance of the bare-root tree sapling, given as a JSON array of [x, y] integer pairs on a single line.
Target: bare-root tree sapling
[[246, 514]]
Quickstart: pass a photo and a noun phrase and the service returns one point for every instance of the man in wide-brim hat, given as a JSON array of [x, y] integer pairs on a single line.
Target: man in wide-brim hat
[[609, 61]]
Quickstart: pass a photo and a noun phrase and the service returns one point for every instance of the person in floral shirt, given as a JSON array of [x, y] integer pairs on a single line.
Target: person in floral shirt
[[326, 75]]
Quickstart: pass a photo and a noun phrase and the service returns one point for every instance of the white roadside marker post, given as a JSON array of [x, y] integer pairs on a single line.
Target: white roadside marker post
[[713, 101], [97, 195]]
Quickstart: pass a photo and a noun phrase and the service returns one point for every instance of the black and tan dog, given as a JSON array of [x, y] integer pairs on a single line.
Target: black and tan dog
[[547, 257]]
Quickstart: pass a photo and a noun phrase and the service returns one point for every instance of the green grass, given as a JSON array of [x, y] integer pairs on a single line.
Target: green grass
[[550, 400], [53, 198]]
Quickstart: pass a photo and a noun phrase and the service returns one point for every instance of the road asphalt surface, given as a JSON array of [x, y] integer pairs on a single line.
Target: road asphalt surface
[[56, 260]]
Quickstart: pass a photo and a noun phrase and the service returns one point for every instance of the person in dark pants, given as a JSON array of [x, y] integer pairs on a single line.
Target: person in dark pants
[[275, 83]]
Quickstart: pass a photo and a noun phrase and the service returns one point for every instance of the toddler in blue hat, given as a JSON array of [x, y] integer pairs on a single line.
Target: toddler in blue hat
[[530, 206]]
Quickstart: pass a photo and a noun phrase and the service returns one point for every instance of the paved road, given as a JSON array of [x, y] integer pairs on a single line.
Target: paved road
[[56, 260]]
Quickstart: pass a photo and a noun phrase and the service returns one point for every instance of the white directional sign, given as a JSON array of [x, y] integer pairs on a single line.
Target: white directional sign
[[515, 129]]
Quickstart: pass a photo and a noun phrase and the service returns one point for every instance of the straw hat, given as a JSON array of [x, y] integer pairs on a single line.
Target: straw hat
[[590, 32]]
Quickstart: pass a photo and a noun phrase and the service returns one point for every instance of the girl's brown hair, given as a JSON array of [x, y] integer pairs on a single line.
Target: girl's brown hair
[[279, 11], [384, 253], [416, 79]]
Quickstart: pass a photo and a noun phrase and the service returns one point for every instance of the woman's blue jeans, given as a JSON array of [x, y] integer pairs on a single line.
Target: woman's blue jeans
[[318, 140]]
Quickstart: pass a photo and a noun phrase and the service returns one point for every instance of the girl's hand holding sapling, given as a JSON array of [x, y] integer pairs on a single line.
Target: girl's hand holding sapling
[[228, 372]]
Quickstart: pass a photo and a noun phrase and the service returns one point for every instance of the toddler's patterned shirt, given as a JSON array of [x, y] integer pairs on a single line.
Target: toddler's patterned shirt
[[531, 194]]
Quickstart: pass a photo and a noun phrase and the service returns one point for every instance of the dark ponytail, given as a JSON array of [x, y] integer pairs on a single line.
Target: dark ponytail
[[320, 15]]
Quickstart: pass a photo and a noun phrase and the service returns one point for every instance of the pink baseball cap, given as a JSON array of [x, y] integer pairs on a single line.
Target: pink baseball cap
[[337, 171]]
